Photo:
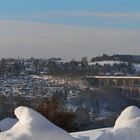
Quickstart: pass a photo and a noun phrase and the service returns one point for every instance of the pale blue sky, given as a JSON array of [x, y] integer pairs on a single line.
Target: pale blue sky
[[56, 12], [69, 28]]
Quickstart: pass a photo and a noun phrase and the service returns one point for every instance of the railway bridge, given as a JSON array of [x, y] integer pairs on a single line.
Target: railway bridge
[[126, 83], [129, 86]]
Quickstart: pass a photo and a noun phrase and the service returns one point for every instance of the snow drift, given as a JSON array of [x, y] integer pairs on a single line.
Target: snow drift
[[127, 126], [7, 123], [33, 126]]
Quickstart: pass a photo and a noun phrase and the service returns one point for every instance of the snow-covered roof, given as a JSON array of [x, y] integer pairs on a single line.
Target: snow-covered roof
[[137, 67]]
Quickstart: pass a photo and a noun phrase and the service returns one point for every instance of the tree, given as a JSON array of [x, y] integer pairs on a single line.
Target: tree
[[84, 60], [130, 68], [3, 66], [53, 111]]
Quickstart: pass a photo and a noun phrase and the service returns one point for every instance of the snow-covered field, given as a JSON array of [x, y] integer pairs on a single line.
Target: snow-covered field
[[106, 62], [111, 63], [33, 126]]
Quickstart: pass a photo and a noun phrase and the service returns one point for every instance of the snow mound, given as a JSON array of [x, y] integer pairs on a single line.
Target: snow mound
[[128, 116], [7, 123], [90, 134], [127, 126], [33, 126]]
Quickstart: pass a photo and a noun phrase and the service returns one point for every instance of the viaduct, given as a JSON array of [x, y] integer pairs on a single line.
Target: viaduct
[[123, 82]]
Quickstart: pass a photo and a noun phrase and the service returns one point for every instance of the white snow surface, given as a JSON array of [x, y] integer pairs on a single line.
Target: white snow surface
[[33, 126], [90, 135], [7, 123], [127, 126], [109, 62], [137, 67], [127, 117]]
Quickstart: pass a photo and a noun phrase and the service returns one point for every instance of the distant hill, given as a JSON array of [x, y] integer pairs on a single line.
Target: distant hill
[[117, 57]]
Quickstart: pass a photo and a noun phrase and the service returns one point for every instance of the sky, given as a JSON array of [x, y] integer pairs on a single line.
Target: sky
[[69, 28]]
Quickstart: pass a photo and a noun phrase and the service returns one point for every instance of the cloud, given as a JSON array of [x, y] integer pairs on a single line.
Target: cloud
[[85, 13], [83, 18], [89, 18], [27, 39]]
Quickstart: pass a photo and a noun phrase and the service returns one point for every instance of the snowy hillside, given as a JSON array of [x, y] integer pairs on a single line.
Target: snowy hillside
[[111, 63], [106, 62], [33, 126]]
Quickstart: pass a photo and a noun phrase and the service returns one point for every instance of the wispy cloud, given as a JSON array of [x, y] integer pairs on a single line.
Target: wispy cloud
[[45, 40], [116, 20], [85, 13], [89, 18]]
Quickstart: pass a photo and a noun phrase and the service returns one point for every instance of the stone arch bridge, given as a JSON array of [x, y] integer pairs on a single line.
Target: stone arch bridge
[[126, 83]]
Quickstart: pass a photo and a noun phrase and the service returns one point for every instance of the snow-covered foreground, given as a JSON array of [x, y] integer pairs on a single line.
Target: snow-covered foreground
[[90, 135], [33, 126], [7, 123], [127, 126]]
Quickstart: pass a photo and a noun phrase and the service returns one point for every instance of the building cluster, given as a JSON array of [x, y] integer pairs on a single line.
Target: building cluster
[[28, 86]]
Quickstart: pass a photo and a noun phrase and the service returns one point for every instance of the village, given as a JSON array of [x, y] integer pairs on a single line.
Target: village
[[29, 82]]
